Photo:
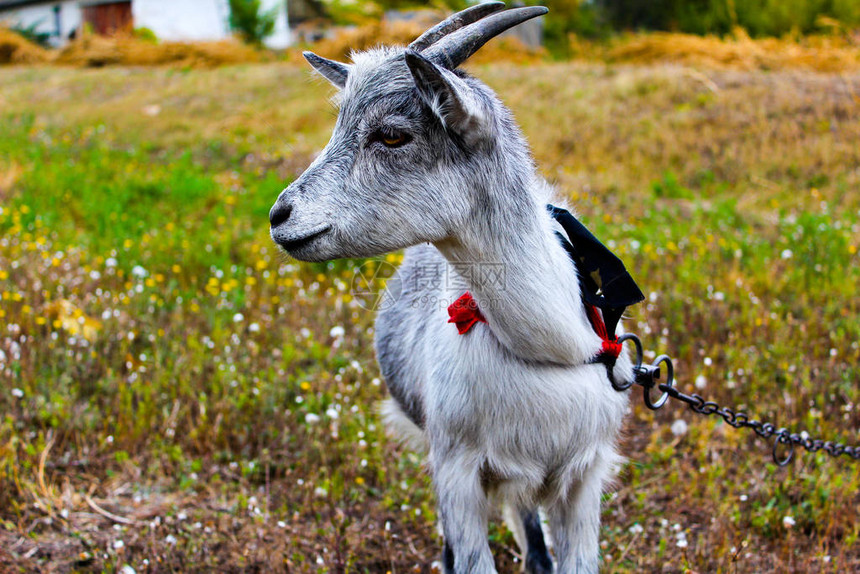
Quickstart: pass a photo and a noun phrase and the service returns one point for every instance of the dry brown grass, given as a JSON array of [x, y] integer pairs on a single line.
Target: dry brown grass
[[125, 50], [96, 51], [507, 49], [826, 54], [363, 37], [15, 49], [816, 53], [9, 175]]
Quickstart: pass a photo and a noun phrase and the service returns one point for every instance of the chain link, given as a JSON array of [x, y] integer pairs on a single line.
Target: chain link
[[647, 376]]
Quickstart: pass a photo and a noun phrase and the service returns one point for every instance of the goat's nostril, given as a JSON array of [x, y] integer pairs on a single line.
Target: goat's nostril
[[280, 213]]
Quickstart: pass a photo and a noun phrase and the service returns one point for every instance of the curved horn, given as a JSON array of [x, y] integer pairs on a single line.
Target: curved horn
[[455, 48], [455, 22]]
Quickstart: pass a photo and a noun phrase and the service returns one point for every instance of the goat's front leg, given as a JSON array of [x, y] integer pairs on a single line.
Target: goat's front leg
[[463, 510], [575, 523]]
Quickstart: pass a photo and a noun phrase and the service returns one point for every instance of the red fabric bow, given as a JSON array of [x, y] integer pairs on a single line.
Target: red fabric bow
[[464, 313], [610, 347]]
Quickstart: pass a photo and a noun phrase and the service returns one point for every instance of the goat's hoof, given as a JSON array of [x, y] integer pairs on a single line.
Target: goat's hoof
[[538, 563]]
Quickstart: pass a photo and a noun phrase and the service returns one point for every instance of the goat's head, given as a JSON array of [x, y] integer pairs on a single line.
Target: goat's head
[[412, 148]]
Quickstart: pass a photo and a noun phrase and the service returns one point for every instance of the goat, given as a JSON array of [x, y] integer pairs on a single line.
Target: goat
[[425, 157]]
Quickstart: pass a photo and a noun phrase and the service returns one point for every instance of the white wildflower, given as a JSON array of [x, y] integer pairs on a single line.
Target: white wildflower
[[679, 427]]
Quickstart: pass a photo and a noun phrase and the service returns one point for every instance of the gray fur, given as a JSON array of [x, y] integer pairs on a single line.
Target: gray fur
[[511, 410]]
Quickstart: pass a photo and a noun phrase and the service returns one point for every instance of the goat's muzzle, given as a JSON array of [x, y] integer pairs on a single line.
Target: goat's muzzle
[[293, 238]]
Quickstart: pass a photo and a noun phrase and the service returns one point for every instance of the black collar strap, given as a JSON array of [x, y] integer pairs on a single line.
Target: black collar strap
[[603, 280]]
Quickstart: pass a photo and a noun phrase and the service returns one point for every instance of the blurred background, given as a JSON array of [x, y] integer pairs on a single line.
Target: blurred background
[[178, 395]]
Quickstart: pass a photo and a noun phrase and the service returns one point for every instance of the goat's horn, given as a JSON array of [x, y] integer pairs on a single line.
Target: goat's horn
[[454, 22], [455, 48]]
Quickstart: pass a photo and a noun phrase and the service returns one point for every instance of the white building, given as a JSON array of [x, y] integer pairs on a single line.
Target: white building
[[170, 20]]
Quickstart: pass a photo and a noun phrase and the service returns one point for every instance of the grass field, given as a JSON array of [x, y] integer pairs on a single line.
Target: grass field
[[176, 395]]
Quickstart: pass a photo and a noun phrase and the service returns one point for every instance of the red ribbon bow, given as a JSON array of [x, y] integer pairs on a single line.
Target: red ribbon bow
[[464, 313], [611, 347]]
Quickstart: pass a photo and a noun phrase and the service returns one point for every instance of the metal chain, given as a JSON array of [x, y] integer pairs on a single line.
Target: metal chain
[[648, 377]]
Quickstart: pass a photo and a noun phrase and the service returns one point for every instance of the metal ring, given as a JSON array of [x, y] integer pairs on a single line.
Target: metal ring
[[637, 343], [615, 384], [670, 382], [609, 371], [782, 438]]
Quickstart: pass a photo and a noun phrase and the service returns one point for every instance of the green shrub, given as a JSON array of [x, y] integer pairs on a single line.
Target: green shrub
[[33, 35], [146, 34], [251, 22], [758, 17]]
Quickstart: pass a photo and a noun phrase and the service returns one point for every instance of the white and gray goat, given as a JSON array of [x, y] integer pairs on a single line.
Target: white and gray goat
[[425, 157]]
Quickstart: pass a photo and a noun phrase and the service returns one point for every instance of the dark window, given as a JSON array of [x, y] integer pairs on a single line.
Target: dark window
[[108, 18]]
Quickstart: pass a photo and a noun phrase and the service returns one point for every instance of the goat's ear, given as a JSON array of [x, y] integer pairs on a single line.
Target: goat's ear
[[449, 98], [334, 72]]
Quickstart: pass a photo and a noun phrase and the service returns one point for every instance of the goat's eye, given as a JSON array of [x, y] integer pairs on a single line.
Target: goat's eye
[[392, 140]]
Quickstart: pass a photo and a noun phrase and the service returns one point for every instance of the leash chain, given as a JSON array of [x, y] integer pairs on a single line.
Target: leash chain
[[647, 376]]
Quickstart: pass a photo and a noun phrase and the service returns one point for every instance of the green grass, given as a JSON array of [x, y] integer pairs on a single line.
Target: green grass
[[163, 362]]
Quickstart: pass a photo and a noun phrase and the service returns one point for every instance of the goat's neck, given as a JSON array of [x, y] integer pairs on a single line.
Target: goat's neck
[[534, 309]]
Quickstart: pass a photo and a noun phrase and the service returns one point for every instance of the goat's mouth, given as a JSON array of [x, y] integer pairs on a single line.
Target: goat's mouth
[[295, 243]]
